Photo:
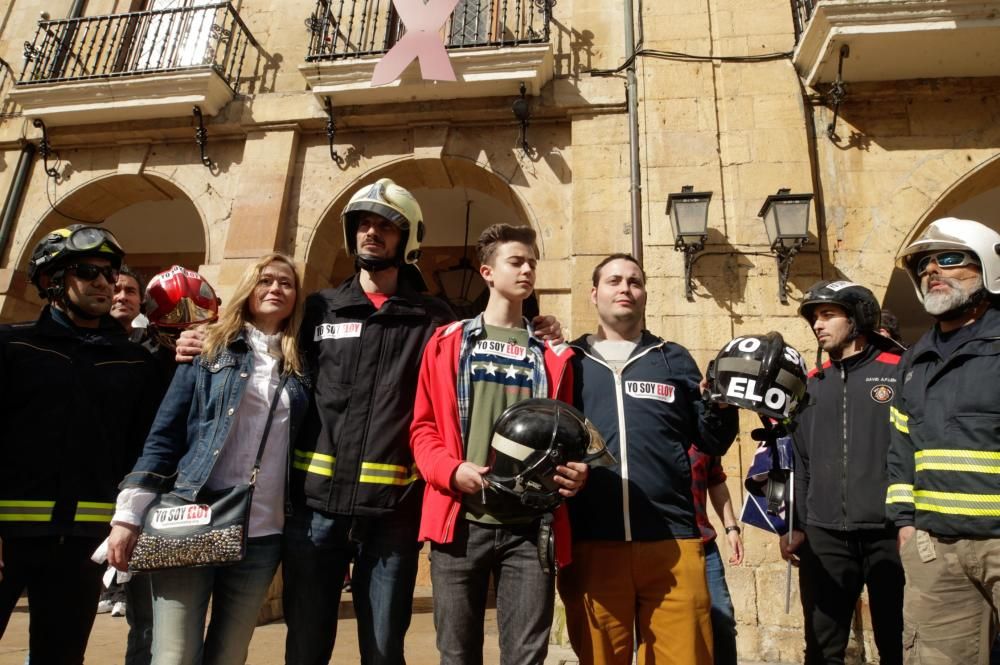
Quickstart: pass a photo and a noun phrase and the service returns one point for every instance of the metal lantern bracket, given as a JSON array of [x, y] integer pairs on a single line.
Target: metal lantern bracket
[[331, 129], [201, 137], [690, 256], [45, 148], [522, 111], [838, 92], [784, 256]]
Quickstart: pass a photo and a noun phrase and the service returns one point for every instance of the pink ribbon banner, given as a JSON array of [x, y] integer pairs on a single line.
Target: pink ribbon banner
[[422, 42]]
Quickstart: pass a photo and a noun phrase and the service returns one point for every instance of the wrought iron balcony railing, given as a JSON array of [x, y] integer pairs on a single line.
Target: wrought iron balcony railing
[[136, 43], [352, 28], [802, 11]]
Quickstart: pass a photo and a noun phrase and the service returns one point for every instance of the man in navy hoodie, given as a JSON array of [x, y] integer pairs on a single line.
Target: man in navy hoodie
[[638, 559]]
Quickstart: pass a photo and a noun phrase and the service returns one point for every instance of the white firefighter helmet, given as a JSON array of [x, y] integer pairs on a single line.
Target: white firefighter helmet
[[386, 198], [959, 234]]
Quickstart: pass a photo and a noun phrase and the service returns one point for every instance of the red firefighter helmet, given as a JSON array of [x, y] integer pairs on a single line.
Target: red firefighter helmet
[[179, 298]]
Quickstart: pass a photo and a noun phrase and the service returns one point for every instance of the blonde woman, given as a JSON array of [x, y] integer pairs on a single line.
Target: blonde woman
[[206, 436]]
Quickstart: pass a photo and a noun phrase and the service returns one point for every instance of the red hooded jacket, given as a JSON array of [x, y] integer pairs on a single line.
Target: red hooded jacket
[[436, 439]]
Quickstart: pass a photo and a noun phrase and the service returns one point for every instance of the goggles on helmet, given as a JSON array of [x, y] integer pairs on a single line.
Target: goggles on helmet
[[87, 238], [952, 258], [89, 272]]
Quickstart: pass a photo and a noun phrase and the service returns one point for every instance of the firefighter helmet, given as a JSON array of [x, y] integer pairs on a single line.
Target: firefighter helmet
[[958, 234], [396, 204], [530, 439], [179, 298], [760, 373], [61, 246], [859, 303]]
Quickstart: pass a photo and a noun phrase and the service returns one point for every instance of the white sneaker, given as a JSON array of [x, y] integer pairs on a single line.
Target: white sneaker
[[119, 609], [104, 606]]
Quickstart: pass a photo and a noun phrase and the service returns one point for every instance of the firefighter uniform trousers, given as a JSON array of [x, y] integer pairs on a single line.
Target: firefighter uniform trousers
[[947, 619]]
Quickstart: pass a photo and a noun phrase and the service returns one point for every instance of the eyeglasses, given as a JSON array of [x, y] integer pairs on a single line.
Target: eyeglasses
[[952, 258], [89, 272]]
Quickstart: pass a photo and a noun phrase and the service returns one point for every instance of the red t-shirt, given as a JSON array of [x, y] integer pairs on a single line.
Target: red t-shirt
[[377, 299]]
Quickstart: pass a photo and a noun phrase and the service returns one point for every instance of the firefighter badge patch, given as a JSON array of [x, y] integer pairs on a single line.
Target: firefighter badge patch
[[882, 393]]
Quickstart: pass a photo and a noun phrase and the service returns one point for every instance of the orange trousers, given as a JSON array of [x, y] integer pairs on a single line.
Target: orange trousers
[[613, 589]]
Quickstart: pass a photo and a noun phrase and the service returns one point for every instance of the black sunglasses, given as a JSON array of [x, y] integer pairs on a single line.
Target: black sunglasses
[[89, 272]]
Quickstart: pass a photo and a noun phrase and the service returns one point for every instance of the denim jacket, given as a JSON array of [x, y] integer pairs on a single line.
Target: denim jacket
[[194, 420]]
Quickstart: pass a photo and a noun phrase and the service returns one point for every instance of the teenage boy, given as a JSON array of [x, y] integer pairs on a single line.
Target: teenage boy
[[471, 372]]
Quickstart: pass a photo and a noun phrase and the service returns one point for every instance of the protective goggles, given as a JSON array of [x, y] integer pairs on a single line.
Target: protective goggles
[[952, 258], [89, 238], [89, 272]]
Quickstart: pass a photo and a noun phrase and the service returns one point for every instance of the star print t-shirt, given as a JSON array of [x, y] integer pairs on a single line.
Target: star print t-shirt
[[501, 376]]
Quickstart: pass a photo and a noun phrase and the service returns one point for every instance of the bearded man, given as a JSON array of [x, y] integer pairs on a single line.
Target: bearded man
[[944, 457]]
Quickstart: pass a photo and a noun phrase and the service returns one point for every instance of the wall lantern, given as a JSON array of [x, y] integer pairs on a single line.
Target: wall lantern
[[786, 220], [688, 213]]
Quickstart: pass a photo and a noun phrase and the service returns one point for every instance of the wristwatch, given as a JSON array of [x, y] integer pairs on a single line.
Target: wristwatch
[[735, 527]]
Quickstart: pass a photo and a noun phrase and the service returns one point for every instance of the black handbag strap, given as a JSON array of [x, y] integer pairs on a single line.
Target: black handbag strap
[[267, 428]]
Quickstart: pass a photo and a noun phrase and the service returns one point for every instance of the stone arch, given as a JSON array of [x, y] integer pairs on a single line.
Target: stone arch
[[974, 195], [441, 185], [156, 220]]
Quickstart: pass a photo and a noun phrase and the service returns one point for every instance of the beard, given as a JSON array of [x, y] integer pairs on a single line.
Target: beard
[[960, 294]]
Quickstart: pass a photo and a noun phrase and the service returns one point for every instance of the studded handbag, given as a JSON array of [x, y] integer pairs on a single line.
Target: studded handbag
[[209, 531]]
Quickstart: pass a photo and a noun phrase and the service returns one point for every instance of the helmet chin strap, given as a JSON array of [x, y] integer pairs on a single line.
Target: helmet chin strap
[[973, 302], [375, 264]]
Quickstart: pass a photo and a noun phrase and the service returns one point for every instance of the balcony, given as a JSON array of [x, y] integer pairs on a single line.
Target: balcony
[[894, 40], [493, 46], [138, 65]]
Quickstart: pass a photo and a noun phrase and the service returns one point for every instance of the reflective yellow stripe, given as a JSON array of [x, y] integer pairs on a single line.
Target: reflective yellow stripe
[[899, 493], [311, 462], [94, 511], [26, 511], [387, 474], [899, 419], [953, 503], [974, 461]]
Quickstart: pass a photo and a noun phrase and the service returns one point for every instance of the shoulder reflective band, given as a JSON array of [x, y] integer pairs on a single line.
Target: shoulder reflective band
[[791, 383], [953, 503], [317, 463], [26, 511], [387, 474], [976, 461], [899, 493], [899, 419], [93, 511]]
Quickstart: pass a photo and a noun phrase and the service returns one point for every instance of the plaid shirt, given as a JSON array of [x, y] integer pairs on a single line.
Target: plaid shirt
[[706, 471]]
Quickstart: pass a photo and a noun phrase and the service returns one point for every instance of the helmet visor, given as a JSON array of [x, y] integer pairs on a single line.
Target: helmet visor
[[597, 450]]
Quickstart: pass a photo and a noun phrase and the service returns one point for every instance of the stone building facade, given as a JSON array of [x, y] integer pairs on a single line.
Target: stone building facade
[[736, 97]]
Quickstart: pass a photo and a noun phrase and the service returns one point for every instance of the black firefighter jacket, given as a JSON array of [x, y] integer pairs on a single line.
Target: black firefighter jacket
[[944, 462], [842, 440], [76, 407], [353, 456]]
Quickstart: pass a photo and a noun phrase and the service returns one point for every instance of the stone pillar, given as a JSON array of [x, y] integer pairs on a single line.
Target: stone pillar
[[259, 213]]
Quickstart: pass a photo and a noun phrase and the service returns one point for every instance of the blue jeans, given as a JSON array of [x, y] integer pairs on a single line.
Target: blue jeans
[[723, 616], [180, 606], [318, 547], [525, 593]]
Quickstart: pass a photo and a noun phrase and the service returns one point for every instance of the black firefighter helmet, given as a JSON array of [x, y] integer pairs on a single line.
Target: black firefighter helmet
[[760, 373], [530, 439]]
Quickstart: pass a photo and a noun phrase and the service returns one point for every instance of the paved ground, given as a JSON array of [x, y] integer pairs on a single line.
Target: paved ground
[[107, 641]]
